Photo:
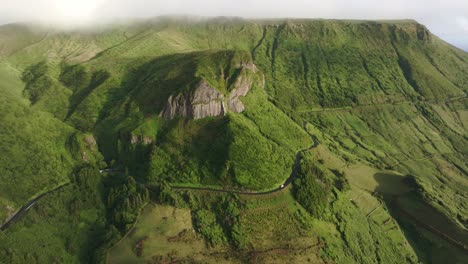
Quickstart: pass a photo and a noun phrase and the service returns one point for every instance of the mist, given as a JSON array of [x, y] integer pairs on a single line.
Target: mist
[[447, 19]]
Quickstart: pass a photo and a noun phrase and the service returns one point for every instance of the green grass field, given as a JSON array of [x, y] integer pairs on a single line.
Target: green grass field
[[385, 99], [164, 232]]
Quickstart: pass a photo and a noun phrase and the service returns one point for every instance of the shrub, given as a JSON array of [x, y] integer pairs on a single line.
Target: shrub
[[312, 189], [206, 224]]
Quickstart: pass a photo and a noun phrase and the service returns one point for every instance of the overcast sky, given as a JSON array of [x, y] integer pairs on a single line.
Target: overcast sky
[[446, 18]]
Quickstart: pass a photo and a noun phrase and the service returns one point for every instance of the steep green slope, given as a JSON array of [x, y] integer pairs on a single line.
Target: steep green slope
[[183, 150], [393, 71], [33, 158], [15, 37], [226, 103], [342, 64]]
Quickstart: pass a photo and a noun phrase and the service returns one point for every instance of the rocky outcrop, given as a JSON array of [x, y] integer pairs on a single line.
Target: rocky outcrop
[[241, 87], [205, 100], [91, 144], [134, 139], [422, 33], [90, 141]]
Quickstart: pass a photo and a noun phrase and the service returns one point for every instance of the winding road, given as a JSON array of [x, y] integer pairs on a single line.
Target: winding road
[[288, 181], [26, 207]]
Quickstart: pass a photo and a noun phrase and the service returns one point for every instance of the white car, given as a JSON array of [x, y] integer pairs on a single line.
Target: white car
[[282, 186]]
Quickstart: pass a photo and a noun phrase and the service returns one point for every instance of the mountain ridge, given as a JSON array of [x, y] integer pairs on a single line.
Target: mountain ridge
[[385, 99]]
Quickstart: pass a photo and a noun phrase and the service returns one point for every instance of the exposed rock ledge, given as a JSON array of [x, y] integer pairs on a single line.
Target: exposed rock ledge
[[206, 101]]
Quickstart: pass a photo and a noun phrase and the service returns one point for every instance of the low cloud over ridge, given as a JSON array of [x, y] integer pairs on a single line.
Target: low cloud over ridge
[[447, 19]]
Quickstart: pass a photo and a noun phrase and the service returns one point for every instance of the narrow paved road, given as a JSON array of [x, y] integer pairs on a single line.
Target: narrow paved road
[[288, 181], [26, 207]]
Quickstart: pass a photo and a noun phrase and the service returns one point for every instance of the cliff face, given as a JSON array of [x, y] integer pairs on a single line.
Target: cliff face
[[205, 100]]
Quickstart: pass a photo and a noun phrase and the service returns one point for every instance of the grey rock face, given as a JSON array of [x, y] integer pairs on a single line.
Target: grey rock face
[[241, 87], [205, 101], [134, 139], [249, 66], [90, 141]]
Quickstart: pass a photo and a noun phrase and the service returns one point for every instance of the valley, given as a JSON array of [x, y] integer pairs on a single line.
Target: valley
[[233, 141]]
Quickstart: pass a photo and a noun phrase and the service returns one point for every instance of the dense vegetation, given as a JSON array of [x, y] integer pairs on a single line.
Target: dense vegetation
[[81, 220], [312, 189], [384, 99]]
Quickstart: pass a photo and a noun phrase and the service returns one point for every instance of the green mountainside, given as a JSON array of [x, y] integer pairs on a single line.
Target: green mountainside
[[369, 119]]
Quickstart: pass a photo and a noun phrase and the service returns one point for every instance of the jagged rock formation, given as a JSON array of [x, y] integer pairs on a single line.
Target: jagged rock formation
[[205, 100]]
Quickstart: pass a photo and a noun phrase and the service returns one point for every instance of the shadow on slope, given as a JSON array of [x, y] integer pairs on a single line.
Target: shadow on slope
[[434, 237]]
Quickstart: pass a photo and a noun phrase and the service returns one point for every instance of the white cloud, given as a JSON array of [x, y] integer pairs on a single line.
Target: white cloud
[[446, 18], [75, 11], [463, 23]]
